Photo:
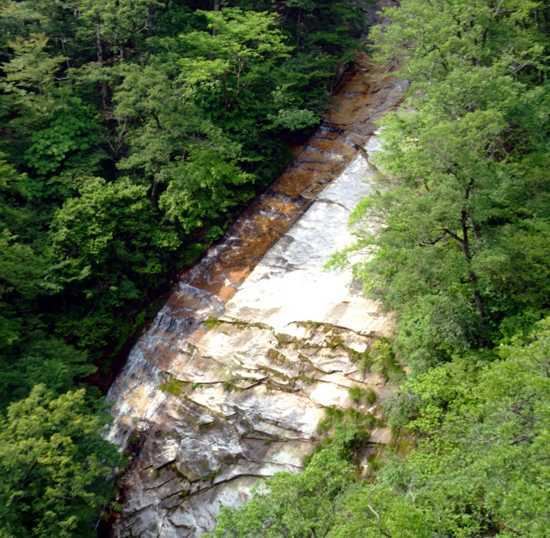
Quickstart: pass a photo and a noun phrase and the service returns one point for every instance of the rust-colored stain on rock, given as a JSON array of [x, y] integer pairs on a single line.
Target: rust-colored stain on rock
[[221, 391], [348, 123]]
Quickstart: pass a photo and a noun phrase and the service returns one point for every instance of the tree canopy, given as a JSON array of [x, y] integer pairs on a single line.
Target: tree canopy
[[56, 468]]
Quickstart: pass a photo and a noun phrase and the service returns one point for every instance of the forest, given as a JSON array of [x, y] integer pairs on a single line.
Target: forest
[[132, 133]]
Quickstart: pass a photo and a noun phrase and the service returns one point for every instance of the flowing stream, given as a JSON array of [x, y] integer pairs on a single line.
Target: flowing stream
[[228, 384]]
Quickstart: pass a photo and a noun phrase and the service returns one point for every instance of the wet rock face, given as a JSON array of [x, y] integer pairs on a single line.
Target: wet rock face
[[230, 382]]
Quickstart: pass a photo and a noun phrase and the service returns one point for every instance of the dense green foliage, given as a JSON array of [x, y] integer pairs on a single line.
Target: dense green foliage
[[55, 468], [462, 257], [465, 196], [130, 132]]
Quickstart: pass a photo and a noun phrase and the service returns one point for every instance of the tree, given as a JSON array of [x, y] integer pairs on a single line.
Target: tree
[[56, 468], [106, 246], [227, 79], [463, 177], [293, 504], [482, 428]]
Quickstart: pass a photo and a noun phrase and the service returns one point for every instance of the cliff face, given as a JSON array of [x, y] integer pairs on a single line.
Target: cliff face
[[229, 383]]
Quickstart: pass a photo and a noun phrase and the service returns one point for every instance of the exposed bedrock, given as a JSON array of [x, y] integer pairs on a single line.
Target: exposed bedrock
[[230, 382]]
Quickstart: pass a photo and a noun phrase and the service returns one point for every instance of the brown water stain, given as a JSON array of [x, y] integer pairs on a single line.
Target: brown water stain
[[348, 123], [364, 95], [361, 99]]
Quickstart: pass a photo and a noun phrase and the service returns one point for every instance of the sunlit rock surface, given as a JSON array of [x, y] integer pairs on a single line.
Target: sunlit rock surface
[[230, 382]]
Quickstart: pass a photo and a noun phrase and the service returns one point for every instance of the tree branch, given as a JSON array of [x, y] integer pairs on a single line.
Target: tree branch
[[455, 236]]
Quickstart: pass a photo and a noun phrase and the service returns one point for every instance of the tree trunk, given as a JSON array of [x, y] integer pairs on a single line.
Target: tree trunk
[[99, 51], [472, 276]]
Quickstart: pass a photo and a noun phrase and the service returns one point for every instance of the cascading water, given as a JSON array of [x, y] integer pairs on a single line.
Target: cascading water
[[229, 383]]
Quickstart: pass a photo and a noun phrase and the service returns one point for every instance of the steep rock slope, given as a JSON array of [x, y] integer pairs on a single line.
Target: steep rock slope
[[229, 383]]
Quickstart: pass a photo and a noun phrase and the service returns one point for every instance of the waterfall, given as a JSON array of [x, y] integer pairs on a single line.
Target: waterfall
[[229, 383]]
